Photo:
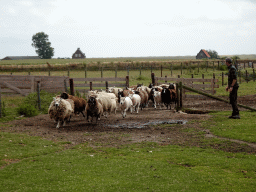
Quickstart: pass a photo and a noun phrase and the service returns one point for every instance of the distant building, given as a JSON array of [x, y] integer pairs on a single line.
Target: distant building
[[20, 57], [203, 54], [78, 54]]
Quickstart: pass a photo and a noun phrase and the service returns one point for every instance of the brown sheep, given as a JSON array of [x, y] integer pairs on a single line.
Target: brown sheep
[[79, 103]]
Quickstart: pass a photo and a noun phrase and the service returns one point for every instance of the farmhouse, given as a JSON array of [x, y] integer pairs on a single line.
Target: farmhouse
[[203, 54], [20, 57], [78, 54]]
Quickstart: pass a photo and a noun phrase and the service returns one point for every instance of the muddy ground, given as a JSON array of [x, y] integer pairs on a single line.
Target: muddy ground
[[116, 130]]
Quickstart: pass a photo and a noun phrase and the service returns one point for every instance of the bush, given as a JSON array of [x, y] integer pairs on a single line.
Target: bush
[[27, 110], [223, 68]]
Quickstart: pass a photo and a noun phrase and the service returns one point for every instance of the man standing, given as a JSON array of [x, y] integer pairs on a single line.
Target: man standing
[[232, 88]]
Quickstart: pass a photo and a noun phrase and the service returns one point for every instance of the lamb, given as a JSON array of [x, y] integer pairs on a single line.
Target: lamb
[[124, 93], [79, 103], [157, 98], [136, 100], [93, 108], [126, 104], [60, 110]]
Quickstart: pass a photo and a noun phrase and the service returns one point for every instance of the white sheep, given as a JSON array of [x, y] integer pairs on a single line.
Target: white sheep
[[126, 104], [136, 100], [108, 103], [60, 110], [157, 98]]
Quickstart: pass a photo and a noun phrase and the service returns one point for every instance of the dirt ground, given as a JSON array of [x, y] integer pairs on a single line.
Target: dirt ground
[[116, 130]]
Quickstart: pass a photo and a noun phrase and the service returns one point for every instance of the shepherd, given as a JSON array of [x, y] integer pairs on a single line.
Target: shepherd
[[232, 88]]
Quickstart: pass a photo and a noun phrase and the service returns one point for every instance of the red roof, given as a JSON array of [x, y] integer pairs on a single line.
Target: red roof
[[206, 53]]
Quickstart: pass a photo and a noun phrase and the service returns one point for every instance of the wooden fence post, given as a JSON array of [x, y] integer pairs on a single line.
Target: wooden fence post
[[165, 79], [90, 86], [178, 97], [180, 86], [106, 85], [71, 84], [38, 95], [127, 81], [65, 86], [153, 78]]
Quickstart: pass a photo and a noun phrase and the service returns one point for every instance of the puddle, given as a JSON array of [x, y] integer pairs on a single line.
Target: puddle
[[139, 125]]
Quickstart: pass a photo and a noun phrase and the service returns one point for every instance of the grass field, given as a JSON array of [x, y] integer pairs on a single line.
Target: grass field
[[35, 164], [30, 163]]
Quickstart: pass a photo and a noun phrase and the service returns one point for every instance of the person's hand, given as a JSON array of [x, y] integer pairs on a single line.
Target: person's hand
[[226, 88]]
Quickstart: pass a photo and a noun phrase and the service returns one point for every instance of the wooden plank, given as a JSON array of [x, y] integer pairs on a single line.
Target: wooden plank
[[13, 88], [185, 79], [6, 90], [100, 79], [93, 84], [199, 86]]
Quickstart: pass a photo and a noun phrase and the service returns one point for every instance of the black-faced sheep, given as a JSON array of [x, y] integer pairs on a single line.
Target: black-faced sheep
[[60, 110], [79, 103], [93, 108], [169, 95]]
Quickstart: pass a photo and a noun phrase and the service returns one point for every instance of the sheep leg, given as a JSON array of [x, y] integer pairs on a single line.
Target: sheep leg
[[82, 113], [124, 114], [131, 109], [58, 124], [138, 106]]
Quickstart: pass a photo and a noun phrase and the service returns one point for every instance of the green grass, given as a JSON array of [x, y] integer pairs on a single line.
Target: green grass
[[138, 167], [242, 129], [35, 164]]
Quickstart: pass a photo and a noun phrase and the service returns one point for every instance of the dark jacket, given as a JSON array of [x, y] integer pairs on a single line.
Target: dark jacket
[[232, 74]]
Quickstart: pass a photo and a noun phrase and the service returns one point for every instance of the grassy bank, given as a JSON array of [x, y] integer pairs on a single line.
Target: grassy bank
[[35, 164]]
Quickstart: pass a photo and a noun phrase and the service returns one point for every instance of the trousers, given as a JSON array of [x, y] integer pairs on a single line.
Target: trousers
[[233, 101]]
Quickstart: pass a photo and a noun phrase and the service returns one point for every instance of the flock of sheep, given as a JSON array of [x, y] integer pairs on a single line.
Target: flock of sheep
[[105, 102]]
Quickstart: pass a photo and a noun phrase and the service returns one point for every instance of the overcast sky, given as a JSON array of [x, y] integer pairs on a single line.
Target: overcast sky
[[134, 28]]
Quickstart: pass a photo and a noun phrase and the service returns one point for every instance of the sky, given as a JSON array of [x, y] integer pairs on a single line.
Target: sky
[[134, 28]]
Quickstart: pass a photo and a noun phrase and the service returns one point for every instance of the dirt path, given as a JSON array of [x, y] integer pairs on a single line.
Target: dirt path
[[115, 130]]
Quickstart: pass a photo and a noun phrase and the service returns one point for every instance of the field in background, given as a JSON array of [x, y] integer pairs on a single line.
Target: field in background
[[117, 59]]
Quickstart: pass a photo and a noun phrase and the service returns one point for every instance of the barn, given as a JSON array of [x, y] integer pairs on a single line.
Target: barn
[[78, 54], [203, 54], [20, 57]]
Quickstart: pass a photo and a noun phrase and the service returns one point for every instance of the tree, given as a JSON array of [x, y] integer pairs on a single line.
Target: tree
[[42, 45], [213, 54]]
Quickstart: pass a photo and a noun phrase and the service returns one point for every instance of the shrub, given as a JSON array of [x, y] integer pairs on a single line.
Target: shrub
[[45, 97], [223, 68], [27, 110]]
